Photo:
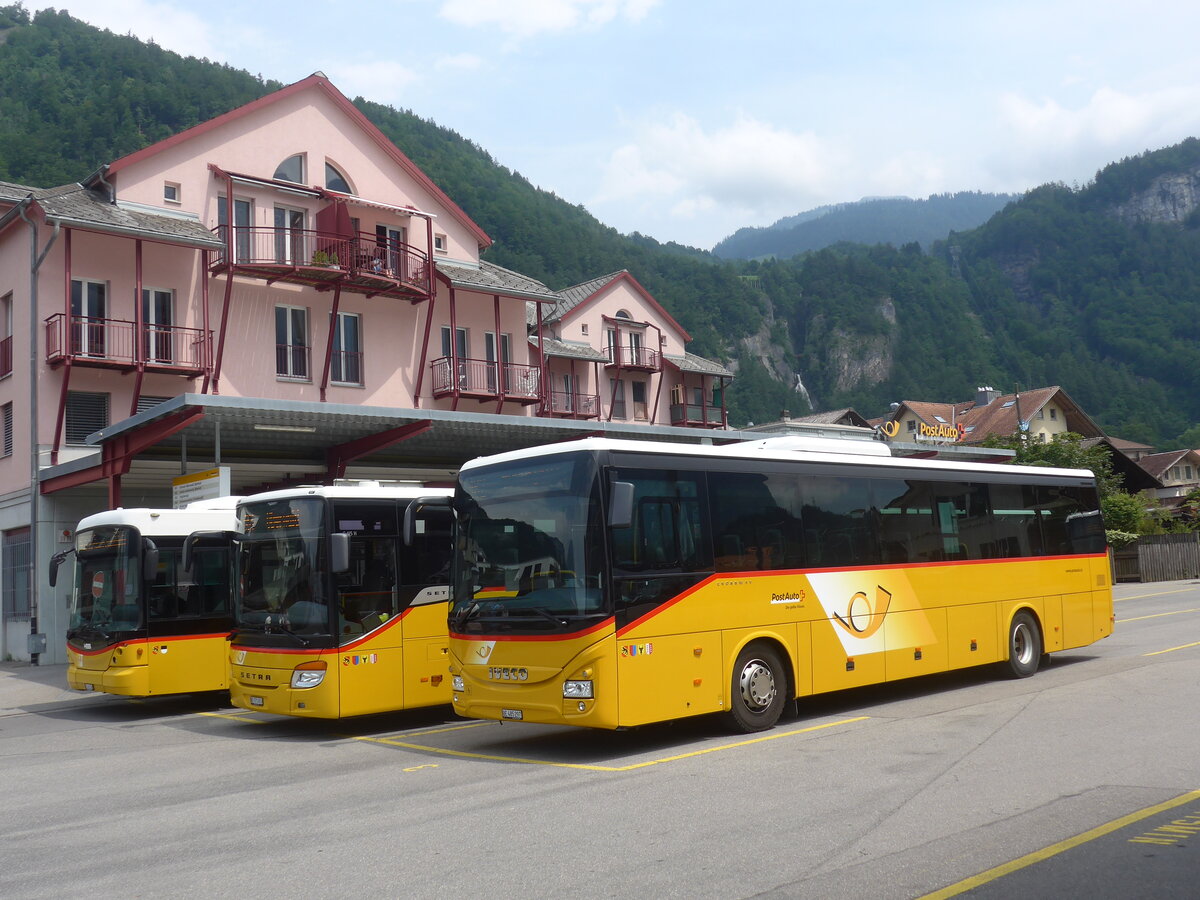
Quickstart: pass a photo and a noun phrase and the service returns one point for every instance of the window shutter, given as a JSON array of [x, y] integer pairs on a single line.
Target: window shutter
[[86, 413]]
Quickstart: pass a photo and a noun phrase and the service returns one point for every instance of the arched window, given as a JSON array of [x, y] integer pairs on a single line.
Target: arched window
[[291, 169], [623, 314], [336, 181]]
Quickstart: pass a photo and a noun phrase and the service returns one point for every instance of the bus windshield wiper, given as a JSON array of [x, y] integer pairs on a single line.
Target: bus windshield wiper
[[268, 625]]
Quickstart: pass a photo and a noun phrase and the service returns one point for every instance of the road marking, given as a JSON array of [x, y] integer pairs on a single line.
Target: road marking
[[1054, 849], [1158, 594], [1173, 649], [464, 754], [1177, 612], [233, 717]]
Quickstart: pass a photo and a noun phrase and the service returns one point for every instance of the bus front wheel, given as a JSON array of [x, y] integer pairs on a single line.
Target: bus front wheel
[[1024, 645], [759, 688]]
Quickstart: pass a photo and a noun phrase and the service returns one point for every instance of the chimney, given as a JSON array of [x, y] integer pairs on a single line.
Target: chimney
[[985, 395]]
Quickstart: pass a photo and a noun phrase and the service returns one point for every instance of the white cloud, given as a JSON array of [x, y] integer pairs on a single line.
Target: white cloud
[[461, 61], [526, 18], [747, 168], [381, 81], [168, 26]]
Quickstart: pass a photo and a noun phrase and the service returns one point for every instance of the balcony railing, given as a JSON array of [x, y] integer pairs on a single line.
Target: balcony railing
[[111, 343], [696, 416], [581, 406], [363, 263], [484, 379], [293, 361], [6, 356], [634, 356]]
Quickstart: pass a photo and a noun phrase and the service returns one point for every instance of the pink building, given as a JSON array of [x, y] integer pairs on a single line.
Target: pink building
[[287, 262]]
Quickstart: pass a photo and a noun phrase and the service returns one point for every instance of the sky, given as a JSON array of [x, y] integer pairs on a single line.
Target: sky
[[685, 120]]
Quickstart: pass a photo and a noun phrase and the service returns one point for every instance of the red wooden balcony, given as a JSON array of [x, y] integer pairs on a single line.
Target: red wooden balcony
[[634, 357], [695, 416], [575, 406], [364, 263], [112, 344], [6, 356], [484, 380]]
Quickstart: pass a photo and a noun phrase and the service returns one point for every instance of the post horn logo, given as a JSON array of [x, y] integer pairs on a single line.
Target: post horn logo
[[890, 429], [863, 618]]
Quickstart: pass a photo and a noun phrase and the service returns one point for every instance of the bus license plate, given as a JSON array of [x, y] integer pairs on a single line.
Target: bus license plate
[[256, 701], [512, 714]]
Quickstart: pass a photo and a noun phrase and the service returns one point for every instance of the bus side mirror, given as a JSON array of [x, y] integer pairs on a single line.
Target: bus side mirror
[[414, 507], [620, 504], [339, 552], [55, 561], [149, 560]]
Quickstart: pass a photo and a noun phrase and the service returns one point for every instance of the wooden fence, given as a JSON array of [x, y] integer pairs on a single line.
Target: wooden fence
[[1159, 557]]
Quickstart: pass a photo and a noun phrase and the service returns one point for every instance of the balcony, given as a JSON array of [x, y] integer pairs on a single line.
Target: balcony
[[633, 357], [696, 416], [574, 406], [111, 344], [363, 264], [484, 380]]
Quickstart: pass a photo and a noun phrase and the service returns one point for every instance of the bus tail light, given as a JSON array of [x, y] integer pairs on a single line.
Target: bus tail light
[[309, 674]]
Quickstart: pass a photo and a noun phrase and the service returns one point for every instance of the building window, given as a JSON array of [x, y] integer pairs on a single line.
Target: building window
[[89, 303], [390, 256], [1041, 414], [291, 342], [346, 365], [584, 329], [14, 573], [87, 413], [439, 243], [241, 226], [6, 338], [618, 397], [336, 181], [8, 426], [171, 192], [1053, 414], [640, 410], [489, 347], [158, 319], [289, 236], [146, 402], [291, 169], [912, 425]]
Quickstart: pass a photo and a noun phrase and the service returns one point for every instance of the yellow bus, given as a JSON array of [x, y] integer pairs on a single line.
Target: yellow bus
[[336, 616], [613, 583], [139, 626]]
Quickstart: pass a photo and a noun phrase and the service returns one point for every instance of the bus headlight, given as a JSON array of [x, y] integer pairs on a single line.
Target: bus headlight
[[577, 690], [456, 683], [308, 675]]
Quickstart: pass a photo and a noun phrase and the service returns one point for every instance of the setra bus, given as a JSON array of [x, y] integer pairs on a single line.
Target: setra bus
[[613, 583], [336, 615], [139, 625]]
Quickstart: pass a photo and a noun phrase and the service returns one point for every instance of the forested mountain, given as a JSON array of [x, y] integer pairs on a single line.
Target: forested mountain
[[872, 220], [1096, 289]]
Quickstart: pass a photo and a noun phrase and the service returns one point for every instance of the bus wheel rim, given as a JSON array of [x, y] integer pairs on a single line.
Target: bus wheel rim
[[1022, 644], [757, 684]]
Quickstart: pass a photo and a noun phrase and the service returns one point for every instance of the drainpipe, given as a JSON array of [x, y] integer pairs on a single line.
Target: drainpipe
[[35, 263]]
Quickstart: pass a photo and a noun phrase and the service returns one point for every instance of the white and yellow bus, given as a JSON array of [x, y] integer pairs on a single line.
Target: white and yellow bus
[[613, 583], [139, 625], [336, 615]]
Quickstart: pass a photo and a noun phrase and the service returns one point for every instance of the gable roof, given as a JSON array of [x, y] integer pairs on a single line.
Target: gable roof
[[581, 294], [316, 81], [1157, 464], [1001, 415]]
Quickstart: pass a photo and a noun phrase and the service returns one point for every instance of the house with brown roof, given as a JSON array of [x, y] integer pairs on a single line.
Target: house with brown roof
[[1177, 471]]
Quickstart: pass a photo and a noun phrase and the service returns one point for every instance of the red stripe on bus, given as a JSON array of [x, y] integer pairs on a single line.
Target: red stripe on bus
[[535, 637]]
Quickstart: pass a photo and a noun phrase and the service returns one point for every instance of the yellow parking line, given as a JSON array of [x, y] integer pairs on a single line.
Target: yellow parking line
[[234, 717], [1173, 649], [1158, 615], [1157, 594], [463, 754], [1054, 849]]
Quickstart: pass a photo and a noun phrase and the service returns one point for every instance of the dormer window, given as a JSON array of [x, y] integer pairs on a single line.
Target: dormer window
[[291, 169], [623, 314], [336, 181]]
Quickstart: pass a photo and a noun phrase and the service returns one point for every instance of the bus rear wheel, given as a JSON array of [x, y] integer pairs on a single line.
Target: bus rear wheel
[[758, 690], [1024, 645]]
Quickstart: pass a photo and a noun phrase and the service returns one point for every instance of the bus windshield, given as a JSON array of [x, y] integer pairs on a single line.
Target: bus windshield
[[529, 547], [107, 593], [280, 561]]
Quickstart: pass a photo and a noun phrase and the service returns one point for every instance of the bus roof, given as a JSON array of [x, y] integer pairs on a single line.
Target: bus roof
[[366, 490], [202, 515], [789, 449]]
